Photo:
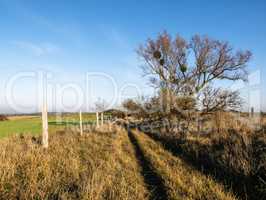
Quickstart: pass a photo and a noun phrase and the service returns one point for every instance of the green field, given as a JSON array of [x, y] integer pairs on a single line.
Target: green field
[[19, 126], [33, 125]]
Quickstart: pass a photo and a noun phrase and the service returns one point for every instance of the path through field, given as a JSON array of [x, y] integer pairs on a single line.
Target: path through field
[[153, 180], [168, 177]]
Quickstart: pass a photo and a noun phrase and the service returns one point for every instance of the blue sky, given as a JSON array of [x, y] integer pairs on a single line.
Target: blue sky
[[70, 38]]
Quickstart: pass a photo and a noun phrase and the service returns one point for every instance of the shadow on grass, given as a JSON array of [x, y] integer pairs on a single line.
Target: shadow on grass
[[152, 180]]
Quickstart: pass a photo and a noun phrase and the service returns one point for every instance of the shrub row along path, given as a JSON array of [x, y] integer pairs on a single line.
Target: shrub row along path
[[169, 177]]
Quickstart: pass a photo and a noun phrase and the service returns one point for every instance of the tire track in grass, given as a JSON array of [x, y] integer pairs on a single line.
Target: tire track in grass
[[152, 180], [218, 174], [181, 180]]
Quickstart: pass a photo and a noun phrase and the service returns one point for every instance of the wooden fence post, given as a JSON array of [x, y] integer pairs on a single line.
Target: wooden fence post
[[102, 118], [97, 119], [45, 134], [80, 123]]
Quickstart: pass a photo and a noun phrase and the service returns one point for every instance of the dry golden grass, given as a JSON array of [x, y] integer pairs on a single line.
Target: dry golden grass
[[232, 151], [181, 180], [102, 165], [96, 166]]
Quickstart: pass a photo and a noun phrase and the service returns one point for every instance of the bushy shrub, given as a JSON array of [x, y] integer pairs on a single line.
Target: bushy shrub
[[3, 118]]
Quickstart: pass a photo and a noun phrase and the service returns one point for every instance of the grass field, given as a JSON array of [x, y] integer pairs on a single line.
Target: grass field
[[105, 164], [20, 126], [32, 124], [111, 162]]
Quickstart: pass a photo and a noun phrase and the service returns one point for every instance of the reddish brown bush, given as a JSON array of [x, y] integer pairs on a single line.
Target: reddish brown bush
[[3, 118]]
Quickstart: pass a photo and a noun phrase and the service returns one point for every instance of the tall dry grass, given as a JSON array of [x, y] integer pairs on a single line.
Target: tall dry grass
[[233, 152], [97, 166]]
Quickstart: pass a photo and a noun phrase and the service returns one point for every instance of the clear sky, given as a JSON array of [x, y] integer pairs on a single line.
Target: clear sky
[[70, 38]]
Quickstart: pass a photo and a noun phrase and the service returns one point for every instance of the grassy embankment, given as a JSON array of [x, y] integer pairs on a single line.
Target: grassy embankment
[[234, 157]]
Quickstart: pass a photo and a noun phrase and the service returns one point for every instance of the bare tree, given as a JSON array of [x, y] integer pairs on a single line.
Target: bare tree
[[131, 106], [135, 108], [217, 99], [166, 62], [101, 105], [184, 70]]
